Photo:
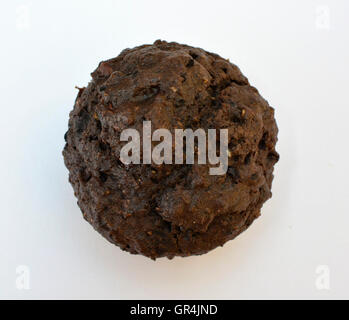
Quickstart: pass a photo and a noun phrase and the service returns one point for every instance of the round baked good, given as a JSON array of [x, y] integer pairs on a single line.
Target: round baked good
[[169, 210]]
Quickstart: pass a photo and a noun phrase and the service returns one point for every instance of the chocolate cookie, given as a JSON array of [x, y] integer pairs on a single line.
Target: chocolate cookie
[[167, 210]]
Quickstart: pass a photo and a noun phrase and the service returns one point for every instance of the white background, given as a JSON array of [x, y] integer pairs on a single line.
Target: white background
[[295, 52]]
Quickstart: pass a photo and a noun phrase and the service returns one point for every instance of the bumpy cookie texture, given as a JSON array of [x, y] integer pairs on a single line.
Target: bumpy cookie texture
[[169, 210]]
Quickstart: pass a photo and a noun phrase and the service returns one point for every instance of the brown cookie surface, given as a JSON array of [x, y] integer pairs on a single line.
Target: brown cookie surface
[[170, 209]]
